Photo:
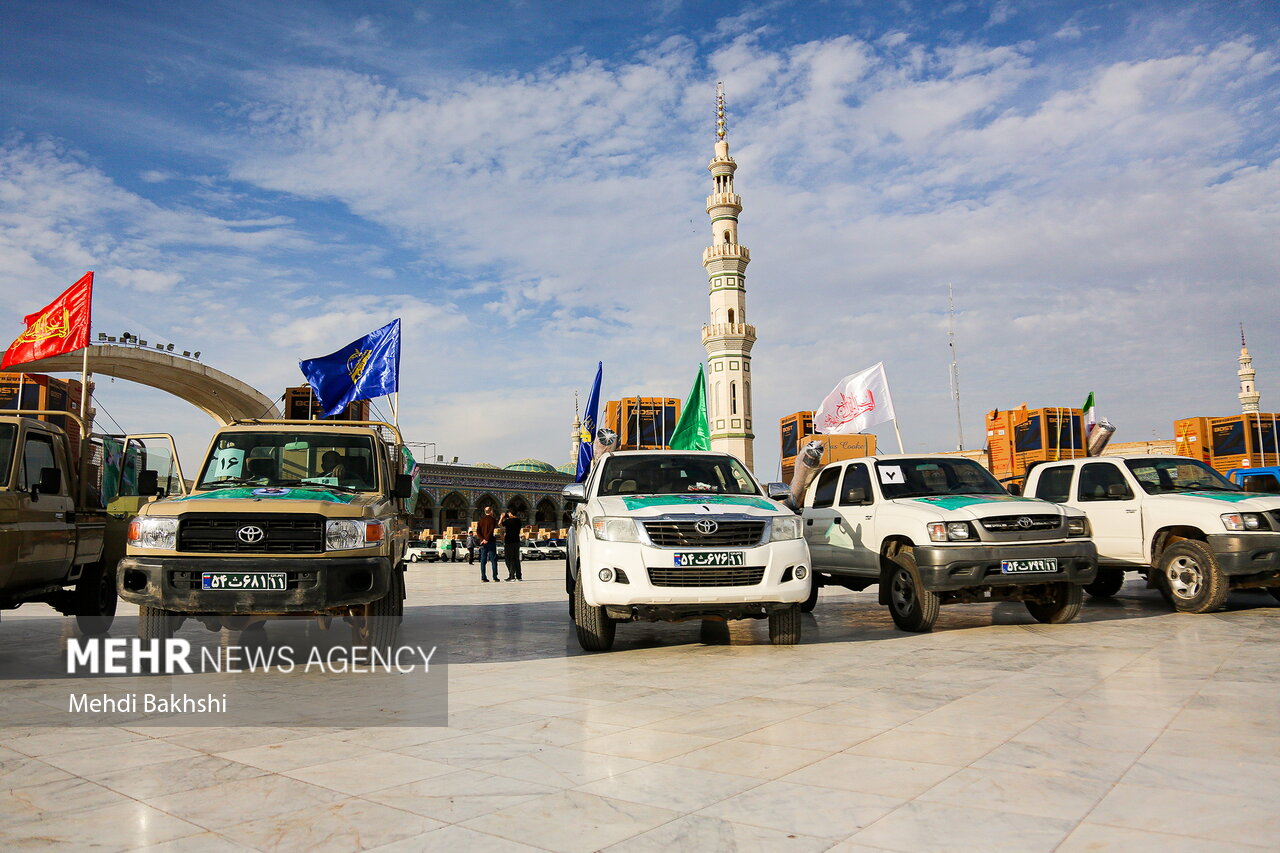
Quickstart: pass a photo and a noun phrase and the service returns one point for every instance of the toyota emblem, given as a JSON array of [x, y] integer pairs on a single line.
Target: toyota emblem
[[706, 526], [1024, 522], [250, 534]]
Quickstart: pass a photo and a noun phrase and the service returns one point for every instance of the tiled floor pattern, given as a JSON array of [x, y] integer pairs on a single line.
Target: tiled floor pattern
[[1133, 729]]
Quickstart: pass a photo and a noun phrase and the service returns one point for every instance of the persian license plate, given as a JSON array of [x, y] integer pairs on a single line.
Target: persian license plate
[[244, 580], [696, 559], [1018, 567]]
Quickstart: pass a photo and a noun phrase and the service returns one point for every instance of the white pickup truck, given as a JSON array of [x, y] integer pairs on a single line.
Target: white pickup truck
[[1193, 534], [934, 530], [678, 535]]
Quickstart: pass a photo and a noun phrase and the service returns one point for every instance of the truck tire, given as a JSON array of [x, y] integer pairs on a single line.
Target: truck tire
[[1190, 578], [784, 626], [1063, 604], [382, 617], [1107, 583], [594, 627], [912, 607], [154, 623], [95, 600], [811, 602]]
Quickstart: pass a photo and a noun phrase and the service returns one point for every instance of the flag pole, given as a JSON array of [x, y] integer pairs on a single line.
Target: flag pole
[[899, 435]]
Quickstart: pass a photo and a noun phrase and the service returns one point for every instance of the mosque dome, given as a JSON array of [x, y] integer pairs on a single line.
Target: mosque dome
[[535, 465], [570, 468], [485, 465]]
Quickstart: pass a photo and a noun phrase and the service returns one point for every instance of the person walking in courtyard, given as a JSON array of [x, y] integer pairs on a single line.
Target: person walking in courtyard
[[511, 544], [488, 543], [472, 545]]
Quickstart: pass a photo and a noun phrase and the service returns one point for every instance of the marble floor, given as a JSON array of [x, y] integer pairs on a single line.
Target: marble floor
[[1132, 729]]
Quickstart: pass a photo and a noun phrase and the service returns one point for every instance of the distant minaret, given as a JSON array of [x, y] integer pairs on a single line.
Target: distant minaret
[[728, 337], [1248, 395], [577, 431]]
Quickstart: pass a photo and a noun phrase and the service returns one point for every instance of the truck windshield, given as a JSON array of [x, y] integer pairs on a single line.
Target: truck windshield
[[675, 475], [922, 478], [7, 431], [329, 460], [1171, 474]]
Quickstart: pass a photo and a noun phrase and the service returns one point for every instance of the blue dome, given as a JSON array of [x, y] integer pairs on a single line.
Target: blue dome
[[534, 465]]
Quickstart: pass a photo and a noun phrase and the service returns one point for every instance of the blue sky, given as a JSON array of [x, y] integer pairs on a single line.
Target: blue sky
[[523, 183]]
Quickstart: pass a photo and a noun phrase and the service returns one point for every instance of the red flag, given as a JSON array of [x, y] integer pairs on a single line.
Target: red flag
[[61, 326]]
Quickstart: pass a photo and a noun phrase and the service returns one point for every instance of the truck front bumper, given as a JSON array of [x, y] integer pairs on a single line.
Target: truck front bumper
[[174, 583], [652, 578], [951, 567], [1241, 554]]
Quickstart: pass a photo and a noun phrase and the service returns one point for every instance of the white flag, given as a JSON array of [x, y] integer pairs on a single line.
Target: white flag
[[857, 402]]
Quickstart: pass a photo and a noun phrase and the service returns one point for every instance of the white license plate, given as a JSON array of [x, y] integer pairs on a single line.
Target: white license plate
[[699, 559], [1018, 567], [236, 581]]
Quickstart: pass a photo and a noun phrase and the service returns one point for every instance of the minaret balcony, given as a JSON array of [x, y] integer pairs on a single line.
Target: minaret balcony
[[721, 200], [725, 250], [725, 162], [741, 335]]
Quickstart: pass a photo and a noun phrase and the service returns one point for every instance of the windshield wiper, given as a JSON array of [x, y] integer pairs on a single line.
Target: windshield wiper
[[228, 481], [306, 485]]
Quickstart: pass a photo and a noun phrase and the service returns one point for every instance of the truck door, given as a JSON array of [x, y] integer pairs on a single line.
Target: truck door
[[1107, 497], [45, 520], [853, 541], [820, 516]]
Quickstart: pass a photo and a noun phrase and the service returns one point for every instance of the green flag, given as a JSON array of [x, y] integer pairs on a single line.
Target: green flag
[[1090, 416], [692, 430]]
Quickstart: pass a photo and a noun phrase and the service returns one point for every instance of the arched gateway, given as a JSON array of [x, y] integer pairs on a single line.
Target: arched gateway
[[219, 395]]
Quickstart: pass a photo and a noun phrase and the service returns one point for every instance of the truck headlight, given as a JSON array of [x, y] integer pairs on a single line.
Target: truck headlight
[[1077, 526], [343, 534], [1244, 521], [950, 531], [783, 528], [154, 532], [615, 528]]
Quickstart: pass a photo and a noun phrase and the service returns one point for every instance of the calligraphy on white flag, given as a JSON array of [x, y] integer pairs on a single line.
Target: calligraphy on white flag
[[858, 401]]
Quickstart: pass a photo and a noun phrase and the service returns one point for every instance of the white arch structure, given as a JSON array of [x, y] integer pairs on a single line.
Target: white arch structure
[[219, 395]]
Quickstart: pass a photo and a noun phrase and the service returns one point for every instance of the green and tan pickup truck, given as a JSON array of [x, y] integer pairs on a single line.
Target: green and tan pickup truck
[[286, 520], [63, 514]]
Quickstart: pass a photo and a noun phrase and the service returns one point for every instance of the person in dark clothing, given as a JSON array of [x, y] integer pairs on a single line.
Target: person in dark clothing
[[511, 544], [487, 528], [473, 545]]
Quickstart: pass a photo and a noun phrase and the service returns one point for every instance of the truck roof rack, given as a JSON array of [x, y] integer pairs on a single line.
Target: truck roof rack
[[312, 423]]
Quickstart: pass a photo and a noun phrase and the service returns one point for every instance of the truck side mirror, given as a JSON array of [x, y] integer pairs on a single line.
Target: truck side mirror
[[1119, 491], [575, 493], [1014, 489], [50, 482], [855, 497], [148, 483], [404, 486], [778, 491]]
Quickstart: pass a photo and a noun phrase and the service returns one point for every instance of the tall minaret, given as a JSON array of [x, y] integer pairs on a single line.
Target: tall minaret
[[728, 337], [577, 431], [1248, 395]]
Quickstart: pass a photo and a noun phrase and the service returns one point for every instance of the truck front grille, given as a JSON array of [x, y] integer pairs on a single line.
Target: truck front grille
[[683, 534], [283, 533], [735, 576], [1011, 523]]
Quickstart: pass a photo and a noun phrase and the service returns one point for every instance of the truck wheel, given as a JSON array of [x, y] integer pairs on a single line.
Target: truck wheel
[[379, 624], [784, 626], [154, 623], [912, 607], [595, 628], [1107, 583], [95, 600], [811, 602], [1190, 578], [1061, 604]]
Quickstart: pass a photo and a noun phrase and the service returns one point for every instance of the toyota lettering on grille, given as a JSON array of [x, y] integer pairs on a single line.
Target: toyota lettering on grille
[[251, 534], [706, 526]]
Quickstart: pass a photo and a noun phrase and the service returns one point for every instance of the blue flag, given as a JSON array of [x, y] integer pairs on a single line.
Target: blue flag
[[362, 370], [587, 438]]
